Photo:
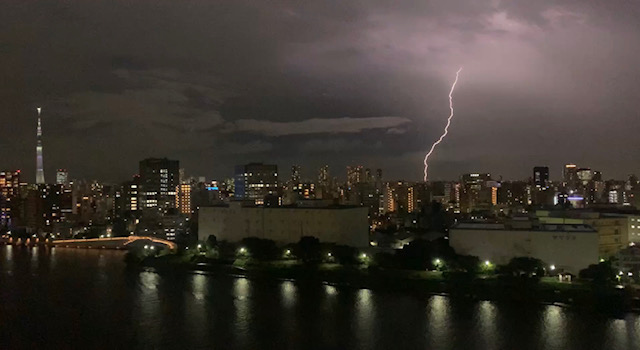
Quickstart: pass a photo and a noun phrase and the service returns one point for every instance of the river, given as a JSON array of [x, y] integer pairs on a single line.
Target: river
[[68, 298]]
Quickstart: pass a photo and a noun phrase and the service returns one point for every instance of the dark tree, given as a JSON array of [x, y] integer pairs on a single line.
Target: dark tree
[[309, 249], [211, 242], [345, 254], [261, 249], [420, 254], [602, 274], [524, 267], [468, 264]]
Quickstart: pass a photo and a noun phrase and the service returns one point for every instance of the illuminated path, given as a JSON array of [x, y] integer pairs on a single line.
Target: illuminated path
[[109, 243]]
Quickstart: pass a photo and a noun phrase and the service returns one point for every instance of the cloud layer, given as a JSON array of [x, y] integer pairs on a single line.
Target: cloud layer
[[217, 83]]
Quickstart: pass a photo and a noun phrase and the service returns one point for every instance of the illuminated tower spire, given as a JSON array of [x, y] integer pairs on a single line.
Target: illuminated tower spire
[[39, 167]]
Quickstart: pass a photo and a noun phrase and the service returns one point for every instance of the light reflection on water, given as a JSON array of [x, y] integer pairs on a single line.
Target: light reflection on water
[[365, 315], [288, 292], [89, 293], [553, 326], [487, 314], [243, 314], [438, 319]]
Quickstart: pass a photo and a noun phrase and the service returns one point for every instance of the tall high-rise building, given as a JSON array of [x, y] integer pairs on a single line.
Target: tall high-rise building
[[9, 186], [324, 183], [39, 161], [398, 196], [295, 174], [256, 181], [355, 174], [541, 176], [158, 180], [323, 176], [129, 195], [478, 192], [570, 175], [62, 177], [183, 199]]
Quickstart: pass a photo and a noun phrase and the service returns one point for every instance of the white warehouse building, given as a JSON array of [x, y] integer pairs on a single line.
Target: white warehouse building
[[336, 224], [569, 248]]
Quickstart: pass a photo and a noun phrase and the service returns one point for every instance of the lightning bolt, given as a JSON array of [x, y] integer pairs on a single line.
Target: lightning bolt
[[446, 128]]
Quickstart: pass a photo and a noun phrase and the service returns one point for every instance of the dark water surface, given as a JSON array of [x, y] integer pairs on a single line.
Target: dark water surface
[[87, 299]]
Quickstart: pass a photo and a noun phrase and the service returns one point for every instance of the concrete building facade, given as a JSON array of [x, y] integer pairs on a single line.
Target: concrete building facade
[[615, 230], [339, 224], [569, 248]]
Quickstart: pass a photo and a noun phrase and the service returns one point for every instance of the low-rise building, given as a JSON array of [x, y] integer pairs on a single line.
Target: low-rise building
[[568, 247], [337, 224], [628, 259], [615, 230]]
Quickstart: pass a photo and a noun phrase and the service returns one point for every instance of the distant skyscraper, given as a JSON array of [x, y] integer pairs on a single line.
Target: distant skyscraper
[[541, 176], [62, 177], [570, 175], [158, 180], [9, 186], [295, 174], [256, 181], [355, 174], [39, 166], [183, 199], [323, 176], [478, 192]]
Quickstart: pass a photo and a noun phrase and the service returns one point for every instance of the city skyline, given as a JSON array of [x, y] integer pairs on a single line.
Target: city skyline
[[330, 174], [348, 84]]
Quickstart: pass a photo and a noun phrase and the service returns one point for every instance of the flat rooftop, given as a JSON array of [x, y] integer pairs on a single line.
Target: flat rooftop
[[536, 228]]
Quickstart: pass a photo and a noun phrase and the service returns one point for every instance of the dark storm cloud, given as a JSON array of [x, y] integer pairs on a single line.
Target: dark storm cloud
[[216, 83]]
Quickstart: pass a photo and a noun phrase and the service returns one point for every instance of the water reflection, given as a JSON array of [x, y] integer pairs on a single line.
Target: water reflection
[[330, 290], [365, 316], [199, 286], [486, 315], [243, 313], [438, 319], [146, 309], [288, 293], [554, 327]]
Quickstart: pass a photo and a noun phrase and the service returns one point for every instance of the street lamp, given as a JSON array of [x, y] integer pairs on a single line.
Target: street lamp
[[552, 267]]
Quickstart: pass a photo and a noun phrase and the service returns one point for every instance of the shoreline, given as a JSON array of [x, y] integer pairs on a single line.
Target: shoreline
[[580, 296]]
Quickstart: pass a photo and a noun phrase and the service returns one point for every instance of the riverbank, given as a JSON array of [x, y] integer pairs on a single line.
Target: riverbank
[[547, 290]]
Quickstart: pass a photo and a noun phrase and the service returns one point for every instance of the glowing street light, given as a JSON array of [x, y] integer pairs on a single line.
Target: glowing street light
[[243, 250], [436, 262], [487, 263], [552, 267]]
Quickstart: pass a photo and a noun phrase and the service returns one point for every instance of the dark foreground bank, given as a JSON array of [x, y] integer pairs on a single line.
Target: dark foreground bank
[[610, 300]]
